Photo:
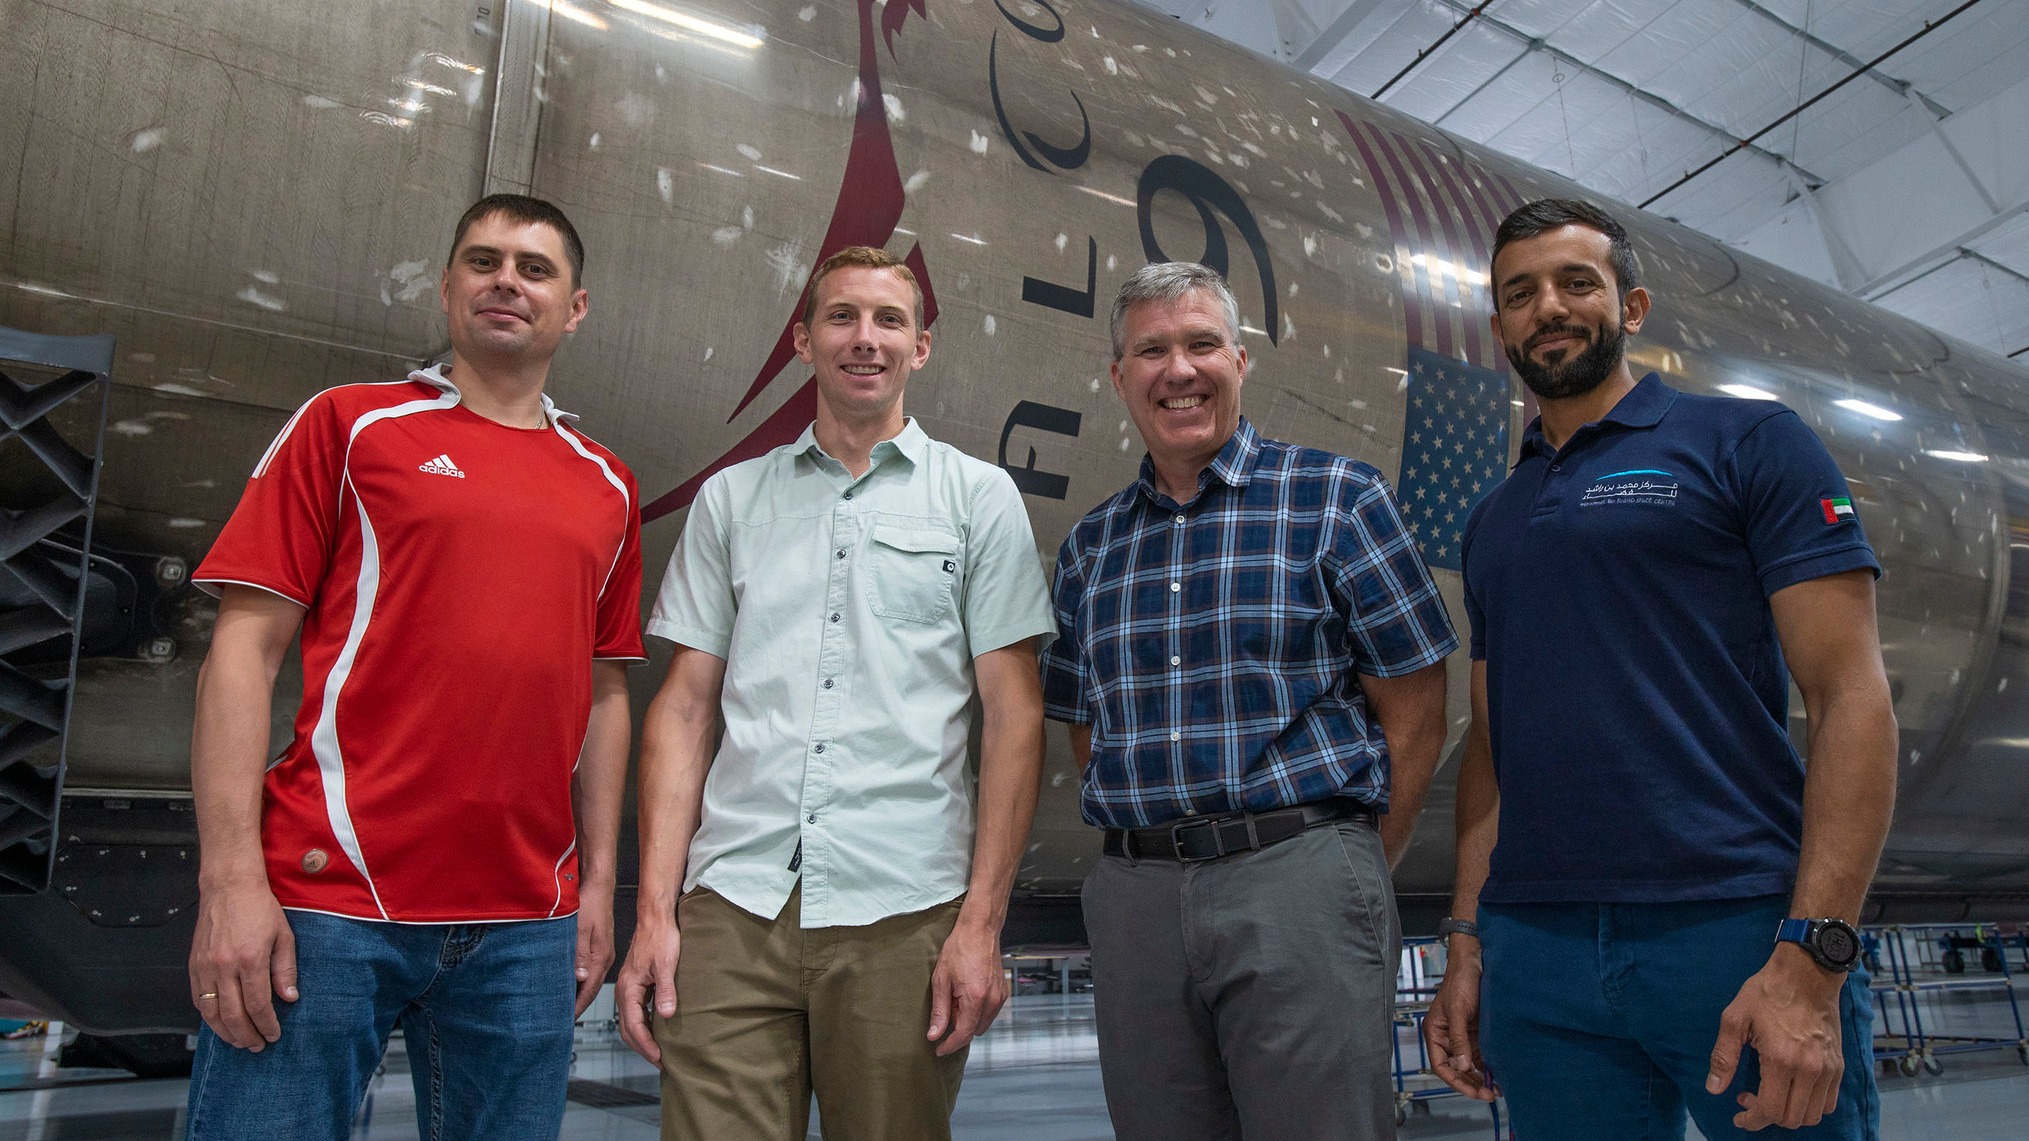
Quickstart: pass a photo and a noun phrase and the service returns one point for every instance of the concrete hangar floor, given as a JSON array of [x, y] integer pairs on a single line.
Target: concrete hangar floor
[[1033, 1077]]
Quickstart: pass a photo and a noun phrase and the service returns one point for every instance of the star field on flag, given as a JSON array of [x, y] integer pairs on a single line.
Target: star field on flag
[[1454, 449], [1443, 210]]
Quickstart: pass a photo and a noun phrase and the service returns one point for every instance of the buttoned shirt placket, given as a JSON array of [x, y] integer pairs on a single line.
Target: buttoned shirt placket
[[1179, 703], [1213, 711], [834, 653]]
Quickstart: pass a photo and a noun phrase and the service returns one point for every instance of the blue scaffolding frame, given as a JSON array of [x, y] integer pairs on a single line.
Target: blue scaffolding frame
[[1414, 1083], [1911, 984]]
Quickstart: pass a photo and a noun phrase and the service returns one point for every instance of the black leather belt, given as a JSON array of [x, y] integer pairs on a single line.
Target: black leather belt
[[1197, 838]]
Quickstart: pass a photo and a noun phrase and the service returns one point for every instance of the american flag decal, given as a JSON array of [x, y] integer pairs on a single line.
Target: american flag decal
[[1443, 210], [1454, 449]]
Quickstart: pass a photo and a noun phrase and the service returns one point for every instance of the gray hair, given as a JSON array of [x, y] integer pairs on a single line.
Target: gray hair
[[1170, 281]]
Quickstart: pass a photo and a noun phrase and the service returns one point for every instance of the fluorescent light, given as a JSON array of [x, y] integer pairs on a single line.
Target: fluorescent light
[[690, 23], [969, 238], [1747, 392], [1874, 411], [722, 170], [1956, 457], [1439, 265], [1114, 198], [778, 173], [419, 85], [573, 12], [447, 61]]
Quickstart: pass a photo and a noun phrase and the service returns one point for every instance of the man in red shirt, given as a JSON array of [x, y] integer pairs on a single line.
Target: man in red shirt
[[436, 841]]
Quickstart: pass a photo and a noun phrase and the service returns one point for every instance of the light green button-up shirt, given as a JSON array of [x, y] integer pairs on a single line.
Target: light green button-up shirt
[[848, 612]]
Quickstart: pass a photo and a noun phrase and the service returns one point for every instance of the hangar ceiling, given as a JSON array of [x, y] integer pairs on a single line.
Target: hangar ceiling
[[1903, 179]]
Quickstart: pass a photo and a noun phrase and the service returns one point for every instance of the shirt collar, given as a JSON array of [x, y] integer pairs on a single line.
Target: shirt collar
[[909, 443], [1233, 466], [1642, 407], [437, 376]]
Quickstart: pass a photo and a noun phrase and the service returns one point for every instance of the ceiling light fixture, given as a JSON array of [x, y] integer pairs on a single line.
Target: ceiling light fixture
[[1873, 411], [689, 23]]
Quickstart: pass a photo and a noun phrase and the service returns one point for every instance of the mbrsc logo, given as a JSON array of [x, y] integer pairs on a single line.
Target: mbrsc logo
[[1637, 487]]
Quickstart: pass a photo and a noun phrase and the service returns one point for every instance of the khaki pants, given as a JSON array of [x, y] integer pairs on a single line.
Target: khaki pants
[[768, 1013]]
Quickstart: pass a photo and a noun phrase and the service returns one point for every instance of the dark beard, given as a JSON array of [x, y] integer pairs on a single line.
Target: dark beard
[[1574, 375]]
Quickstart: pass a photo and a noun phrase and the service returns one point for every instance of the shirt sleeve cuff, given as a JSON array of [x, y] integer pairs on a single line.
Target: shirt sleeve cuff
[[216, 588], [988, 640], [1068, 714], [1437, 652], [1804, 568], [717, 645]]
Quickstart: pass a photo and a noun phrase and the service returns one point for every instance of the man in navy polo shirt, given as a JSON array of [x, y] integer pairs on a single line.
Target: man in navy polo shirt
[[1664, 888]]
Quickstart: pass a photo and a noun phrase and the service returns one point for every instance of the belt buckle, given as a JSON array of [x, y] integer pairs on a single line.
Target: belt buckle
[[1183, 828]]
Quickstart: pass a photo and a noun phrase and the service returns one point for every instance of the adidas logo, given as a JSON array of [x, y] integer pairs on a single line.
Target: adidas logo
[[442, 465]]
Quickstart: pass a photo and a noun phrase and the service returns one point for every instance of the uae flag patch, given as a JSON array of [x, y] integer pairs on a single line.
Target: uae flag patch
[[1836, 510]]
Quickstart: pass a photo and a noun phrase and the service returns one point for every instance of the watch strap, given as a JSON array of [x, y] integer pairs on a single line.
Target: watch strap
[[1449, 927], [1811, 935], [1793, 931]]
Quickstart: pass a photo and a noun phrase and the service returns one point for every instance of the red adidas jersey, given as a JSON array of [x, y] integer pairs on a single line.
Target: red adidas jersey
[[460, 577]]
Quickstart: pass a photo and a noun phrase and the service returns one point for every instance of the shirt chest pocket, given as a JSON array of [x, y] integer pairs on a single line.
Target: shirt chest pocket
[[911, 571]]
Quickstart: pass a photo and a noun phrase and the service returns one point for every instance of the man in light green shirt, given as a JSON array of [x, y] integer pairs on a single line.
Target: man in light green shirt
[[836, 603]]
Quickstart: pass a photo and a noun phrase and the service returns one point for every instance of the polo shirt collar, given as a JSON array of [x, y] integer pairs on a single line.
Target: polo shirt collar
[[1233, 466], [1642, 407], [909, 443], [437, 376]]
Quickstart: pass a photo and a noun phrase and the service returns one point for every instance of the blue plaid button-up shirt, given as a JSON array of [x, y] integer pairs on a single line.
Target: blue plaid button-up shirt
[[1212, 645]]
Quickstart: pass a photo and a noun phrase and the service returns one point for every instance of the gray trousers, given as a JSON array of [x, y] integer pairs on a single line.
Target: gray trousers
[[1248, 997]]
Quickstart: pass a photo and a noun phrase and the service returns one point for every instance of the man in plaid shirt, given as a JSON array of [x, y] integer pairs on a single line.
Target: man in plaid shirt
[[1251, 661]]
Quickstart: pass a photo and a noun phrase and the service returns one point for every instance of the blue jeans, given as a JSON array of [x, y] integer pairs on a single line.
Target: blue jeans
[[1598, 1020], [486, 1009]]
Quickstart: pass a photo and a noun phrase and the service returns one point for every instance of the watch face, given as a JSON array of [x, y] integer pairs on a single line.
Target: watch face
[[1837, 943]]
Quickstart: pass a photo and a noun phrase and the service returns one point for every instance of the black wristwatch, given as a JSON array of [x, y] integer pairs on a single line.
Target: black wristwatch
[[1832, 942], [1449, 927]]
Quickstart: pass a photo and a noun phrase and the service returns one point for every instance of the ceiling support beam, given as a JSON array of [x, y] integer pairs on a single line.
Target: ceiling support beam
[[1958, 158], [1898, 86], [1997, 267], [1471, 14], [1846, 264], [1316, 57], [1956, 254], [1293, 27], [1531, 44], [1918, 207], [1929, 26]]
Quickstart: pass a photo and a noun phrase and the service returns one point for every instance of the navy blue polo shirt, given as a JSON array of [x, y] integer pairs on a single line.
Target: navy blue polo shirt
[[1637, 697]]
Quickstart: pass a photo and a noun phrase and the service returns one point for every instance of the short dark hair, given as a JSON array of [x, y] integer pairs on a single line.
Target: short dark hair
[[533, 211], [860, 257], [1546, 214]]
